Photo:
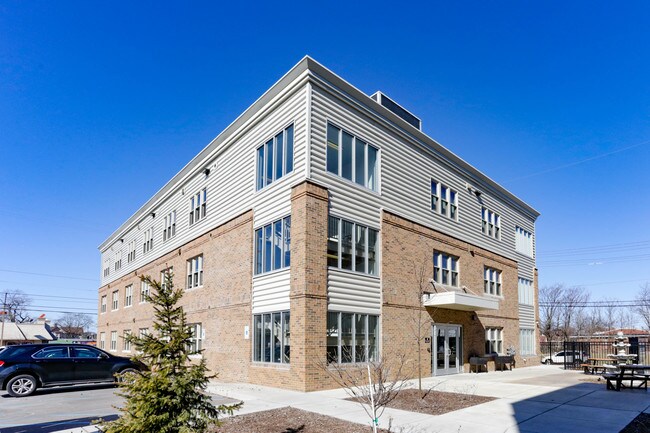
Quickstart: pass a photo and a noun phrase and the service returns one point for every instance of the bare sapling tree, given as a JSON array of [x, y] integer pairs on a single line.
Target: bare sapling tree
[[15, 304], [549, 309], [643, 304], [75, 324]]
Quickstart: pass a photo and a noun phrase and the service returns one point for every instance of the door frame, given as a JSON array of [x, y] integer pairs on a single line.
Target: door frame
[[435, 371]]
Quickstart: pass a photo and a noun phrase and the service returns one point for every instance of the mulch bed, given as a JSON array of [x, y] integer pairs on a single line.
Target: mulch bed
[[640, 424], [289, 420]]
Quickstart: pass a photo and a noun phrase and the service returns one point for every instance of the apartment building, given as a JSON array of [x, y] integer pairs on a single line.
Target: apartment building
[[315, 228]]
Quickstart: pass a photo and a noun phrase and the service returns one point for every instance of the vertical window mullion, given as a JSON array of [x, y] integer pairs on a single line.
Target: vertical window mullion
[[340, 171], [339, 337], [340, 242]]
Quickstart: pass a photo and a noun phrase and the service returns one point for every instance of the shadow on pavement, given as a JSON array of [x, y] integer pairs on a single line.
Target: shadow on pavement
[[53, 426]]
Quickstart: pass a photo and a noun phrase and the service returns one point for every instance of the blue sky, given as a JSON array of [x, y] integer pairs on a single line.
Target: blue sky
[[102, 103]]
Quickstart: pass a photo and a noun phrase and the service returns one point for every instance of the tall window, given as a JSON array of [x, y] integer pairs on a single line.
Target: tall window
[[128, 295], [523, 241], [492, 281], [273, 246], [166, 274], [527, 341], [352, 246], [196, 340], [444, 200], [116, 300], [491, 225], [526, 292], [272, 337], [147, 245], [118, 260], [352, 158], [275, 158], [103, 304], [494, 340], [107, 268], [169, 230], [445, 269], [144, 291], [195, 272], [126, 343], [352, 337], [102, 340], [113, 341], [198, 206], [131, 256]]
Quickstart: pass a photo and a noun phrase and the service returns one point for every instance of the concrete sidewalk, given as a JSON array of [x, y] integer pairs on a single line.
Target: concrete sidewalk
[[534, 399]]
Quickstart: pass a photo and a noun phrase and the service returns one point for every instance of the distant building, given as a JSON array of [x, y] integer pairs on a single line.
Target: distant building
[[31, 332]]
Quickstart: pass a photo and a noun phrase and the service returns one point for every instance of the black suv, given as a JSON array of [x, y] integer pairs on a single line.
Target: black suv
[[25, 367]]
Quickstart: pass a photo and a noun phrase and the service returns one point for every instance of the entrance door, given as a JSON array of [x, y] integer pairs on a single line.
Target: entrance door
[[446, 349]]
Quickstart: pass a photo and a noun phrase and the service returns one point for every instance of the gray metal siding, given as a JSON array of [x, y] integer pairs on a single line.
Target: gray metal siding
[[526, 316]]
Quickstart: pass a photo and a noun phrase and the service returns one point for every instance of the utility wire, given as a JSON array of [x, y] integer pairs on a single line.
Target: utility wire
[[34, 295], [49, 275], [49, 287]]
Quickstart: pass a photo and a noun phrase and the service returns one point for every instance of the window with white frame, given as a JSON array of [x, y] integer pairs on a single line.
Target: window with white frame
[[273, 246], [352, 246], [103, 304], [351, 158], [491, 224], [526, 292], [131, 256], [113, 341], [128, 295], [147, 245], [102, 340], [143, 332], [116, 300], [126, 343], [196, 340], [444, 200], [275, 158], [491, 281], [271, 337], [165, 276], [494, 340], [198, 206], [527, 341], [523, 241], [169, 229], [118, 260], [445, 269], [352, 337], [195, 272], [107, 268], [144, 291]]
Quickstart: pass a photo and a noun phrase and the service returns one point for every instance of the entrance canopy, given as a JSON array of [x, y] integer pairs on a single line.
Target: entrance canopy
[[463, 301]]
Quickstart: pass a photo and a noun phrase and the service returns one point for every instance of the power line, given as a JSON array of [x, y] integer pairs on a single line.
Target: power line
[[63, 312], [49, 275], [37, 307], [49, 287], [602, 283], [33, 295]]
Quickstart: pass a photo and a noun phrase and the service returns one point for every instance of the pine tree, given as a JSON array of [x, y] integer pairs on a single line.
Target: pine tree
[[169, 395]]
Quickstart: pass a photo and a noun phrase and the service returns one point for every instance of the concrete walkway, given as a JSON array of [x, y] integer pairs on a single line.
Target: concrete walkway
[[534, 399]]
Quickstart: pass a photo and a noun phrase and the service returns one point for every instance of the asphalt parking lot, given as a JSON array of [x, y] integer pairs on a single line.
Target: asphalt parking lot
[[49, 410]]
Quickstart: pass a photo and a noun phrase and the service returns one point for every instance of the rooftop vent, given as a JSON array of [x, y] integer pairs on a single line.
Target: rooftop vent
[[397, 109]]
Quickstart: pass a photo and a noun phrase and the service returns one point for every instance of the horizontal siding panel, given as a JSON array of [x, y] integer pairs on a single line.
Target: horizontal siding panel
[[271, 292], [526, 316], [351, 292]]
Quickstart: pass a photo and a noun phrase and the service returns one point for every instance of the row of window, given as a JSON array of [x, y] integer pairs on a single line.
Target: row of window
[[351, 158], [352, 246], [195, 346], [271, 337]]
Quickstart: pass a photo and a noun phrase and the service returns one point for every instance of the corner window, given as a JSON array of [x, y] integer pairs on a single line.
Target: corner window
[[494, 340], [491, 223], [351, 158], [272, 337], [352, 246], [195, 272], [198, 206], [445, 269], [169, 230], [275, 158], [491, 281], [444, 200], [352, 337], [273, 246]]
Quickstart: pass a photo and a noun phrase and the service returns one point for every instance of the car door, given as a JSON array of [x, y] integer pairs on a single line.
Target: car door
[[91, 364], [53, 364], [558, 358]]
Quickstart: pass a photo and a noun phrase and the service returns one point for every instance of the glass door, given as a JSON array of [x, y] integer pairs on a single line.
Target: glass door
[[446, 348]]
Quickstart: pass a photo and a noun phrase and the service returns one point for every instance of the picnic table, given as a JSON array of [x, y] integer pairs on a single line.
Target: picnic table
[[595, 365], [628, 372]]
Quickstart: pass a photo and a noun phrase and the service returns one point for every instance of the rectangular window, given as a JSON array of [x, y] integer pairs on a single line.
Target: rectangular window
[[523, 241], [445, 269], [195, 272], [526, 292], [169, 229], [128, 295], [196, 340], [491, 281], [144, 291], [273, 246], [142, 332], [103, 304], [126, 344], [275, 158], [271, 337], [444, 200], [491, 223], [527, 341], [131, 256], [494, 340], [118, 261], [102, 340], [107, 268], [166, 274], [351, 246], [351, 158], [198, 206], [113, 341], [116, 300], [147, 245], [351, 337]]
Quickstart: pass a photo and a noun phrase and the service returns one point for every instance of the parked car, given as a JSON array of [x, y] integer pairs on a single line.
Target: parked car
[[26, 367], [568, 357]]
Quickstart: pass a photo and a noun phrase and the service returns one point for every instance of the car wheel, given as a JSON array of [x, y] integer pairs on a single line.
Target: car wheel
[[124, 375], [548, 362], [22, 385]]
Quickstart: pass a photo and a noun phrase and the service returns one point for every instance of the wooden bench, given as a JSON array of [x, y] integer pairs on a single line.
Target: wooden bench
[[615, 380], [593, 369], [502, 362], [477, 362]]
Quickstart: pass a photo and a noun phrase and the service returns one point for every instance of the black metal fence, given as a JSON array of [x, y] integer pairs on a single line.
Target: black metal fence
[[571, 354]]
